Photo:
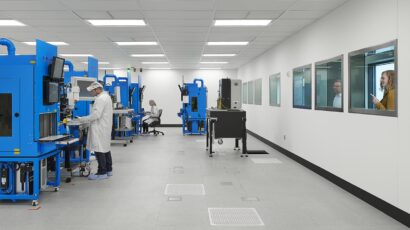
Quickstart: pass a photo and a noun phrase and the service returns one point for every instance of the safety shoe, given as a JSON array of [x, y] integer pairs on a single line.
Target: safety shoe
[[109, 173], [97, 177]]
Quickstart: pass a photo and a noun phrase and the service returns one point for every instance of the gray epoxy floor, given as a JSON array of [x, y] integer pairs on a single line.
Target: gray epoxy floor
[[290, 196]]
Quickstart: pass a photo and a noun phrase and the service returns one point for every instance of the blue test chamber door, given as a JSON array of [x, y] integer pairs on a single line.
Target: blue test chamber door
[[9, 115]]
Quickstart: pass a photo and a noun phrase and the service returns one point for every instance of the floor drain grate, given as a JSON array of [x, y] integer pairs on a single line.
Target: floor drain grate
[[266, 161], [234, 217], [185, 189]]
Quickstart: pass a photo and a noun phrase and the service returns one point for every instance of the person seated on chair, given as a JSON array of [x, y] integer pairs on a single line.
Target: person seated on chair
[[153, 113]]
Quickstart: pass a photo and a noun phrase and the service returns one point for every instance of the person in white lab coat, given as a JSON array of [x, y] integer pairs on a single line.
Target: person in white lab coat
[[152, 114], [99, 132], [337, 89]]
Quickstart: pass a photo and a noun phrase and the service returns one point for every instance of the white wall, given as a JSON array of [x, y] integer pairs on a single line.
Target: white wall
[[372, 152], [162, 86]]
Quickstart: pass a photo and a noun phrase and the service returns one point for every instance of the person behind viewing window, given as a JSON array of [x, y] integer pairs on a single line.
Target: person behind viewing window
[[152, 114], [387, 84], [337, 89]]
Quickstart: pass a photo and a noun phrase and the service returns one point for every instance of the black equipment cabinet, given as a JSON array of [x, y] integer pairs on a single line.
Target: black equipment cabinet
[[226, 124]]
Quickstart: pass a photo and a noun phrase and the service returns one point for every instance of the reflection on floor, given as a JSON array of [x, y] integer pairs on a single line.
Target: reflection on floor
[[242, 193]]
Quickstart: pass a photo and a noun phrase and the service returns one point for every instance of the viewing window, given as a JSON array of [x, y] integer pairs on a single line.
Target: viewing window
[[245, 93], [302, 87], [5, 115], [373, 80], [329, 84], [250, 92], [274, 90], [258, 91]]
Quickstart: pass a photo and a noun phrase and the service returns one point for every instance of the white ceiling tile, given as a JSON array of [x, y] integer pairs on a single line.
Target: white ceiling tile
[[303, 14], [27, 14], [264, 14], [126, 14], [182, 27], [98, 5], [317, 4], [231, 14], [31, 5], [253, 5], [93, 14], [61, 23], [178, 14], [177, 4]]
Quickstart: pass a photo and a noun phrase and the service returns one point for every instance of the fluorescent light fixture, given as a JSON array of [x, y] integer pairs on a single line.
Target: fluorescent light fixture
[[76, 55], [210, 68], [100, 62], [154, 62], [214, 62], [111, 68], [219, 55], [159, 68], [117, 22], [147, 55], [137, 43], [11, 23], [242, 22], [228, 43], [52, 43]]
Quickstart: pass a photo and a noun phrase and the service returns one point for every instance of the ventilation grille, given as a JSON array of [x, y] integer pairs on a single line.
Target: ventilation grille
[[234, 217]]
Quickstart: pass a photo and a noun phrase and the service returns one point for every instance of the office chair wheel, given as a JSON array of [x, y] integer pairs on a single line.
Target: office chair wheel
[[155, 134], [220, 141], [34, 203]]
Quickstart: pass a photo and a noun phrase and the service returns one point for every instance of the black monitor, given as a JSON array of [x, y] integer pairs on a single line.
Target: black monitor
[[57, 69]]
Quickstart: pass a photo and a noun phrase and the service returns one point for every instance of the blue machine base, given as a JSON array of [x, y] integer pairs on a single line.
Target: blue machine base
[[36, 161]]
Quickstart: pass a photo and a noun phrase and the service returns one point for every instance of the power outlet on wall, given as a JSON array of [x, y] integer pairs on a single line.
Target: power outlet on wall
[[284, 137]]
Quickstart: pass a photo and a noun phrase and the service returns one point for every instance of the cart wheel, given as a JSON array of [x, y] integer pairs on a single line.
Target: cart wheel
[[125, 145], [67, 180], [34, 203], [56, 189], [241, 155], [131, 141]]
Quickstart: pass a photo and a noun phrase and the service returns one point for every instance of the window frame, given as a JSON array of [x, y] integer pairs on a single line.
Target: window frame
[[309, 107], [374, 111], [277, 76], [331, 109]]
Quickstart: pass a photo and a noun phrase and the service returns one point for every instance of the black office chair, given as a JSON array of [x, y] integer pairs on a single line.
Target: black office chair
[[156, 121]]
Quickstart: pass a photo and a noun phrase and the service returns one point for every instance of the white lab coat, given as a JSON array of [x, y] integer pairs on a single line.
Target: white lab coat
[[337, 101], [152, 116], [99, 133]]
